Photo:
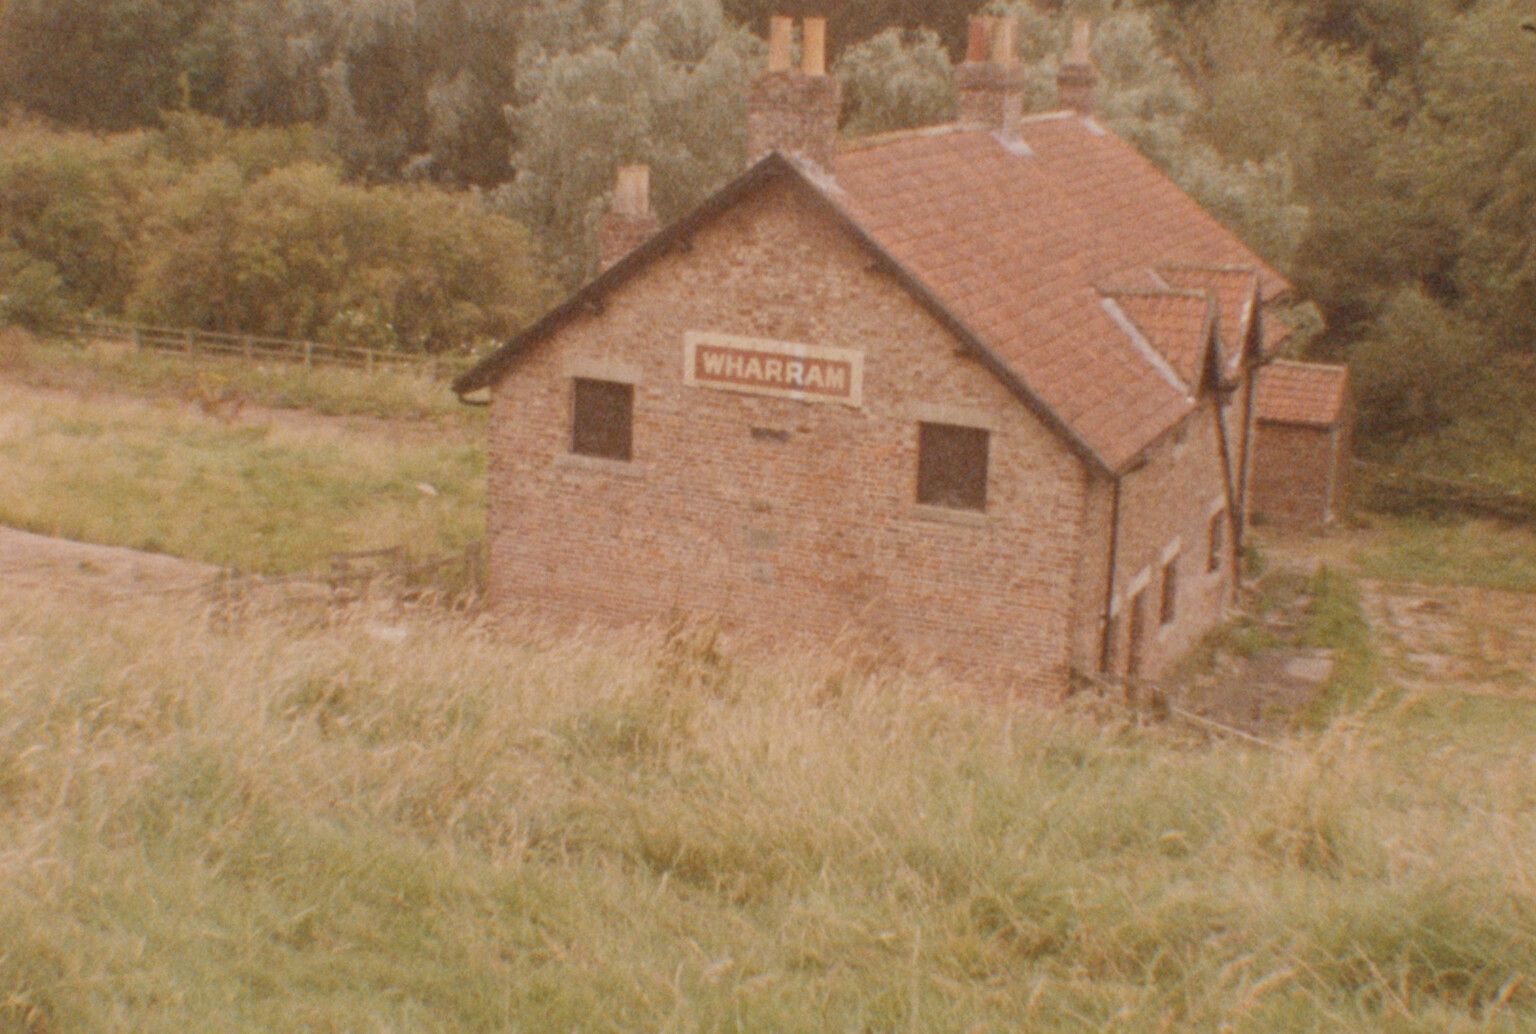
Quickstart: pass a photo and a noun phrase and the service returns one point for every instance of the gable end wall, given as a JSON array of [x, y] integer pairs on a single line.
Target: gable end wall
[[808, 529]]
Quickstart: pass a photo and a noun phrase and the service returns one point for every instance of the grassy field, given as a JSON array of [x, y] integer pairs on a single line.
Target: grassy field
[[410, 824], [1488, 554], [260, 494]]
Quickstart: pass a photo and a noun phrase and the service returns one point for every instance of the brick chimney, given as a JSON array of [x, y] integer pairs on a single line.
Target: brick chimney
[[630, 222], [795, 111], [1076, 80], [989, 82]]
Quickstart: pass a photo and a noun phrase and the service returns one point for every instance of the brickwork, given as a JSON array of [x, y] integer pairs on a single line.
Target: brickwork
[[795, 114], [1166, 506], [619, 233], [787, 519], [990, 95], [1294, 475]]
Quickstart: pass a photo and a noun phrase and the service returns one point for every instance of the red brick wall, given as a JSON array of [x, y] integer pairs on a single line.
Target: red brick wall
[[1165, 511], [808, 537], [1291, 473]]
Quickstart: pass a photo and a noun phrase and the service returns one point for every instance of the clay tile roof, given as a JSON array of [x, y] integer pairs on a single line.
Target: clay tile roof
[[1236, 291], [1311, 394], [1013, 245], [1175, 323]]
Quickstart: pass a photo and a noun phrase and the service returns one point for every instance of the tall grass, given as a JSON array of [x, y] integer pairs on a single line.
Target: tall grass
[[256, 494], [399, 823]]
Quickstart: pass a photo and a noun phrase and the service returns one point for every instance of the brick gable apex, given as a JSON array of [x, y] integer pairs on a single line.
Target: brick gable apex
[[771, 169]]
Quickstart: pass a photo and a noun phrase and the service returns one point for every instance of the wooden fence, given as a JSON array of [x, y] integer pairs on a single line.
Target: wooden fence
[[456, 578], [254, 347]]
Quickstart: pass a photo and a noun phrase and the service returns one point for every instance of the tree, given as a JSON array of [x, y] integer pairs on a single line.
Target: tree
[[671, 94], [895, 80]]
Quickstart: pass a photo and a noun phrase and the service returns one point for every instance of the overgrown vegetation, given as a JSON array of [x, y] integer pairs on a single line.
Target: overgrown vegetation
[[399, 823], [196, 225], [259, 495], [1335, 620]]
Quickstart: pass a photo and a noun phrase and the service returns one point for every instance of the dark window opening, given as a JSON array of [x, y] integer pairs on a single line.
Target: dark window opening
[[952, 466], [602, 415], [1218, 540], [1170, 591]]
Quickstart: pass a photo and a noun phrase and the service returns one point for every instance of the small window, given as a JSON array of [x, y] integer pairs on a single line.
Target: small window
[[952, 466], [602, 414], [1170, 591], [1218, 540]]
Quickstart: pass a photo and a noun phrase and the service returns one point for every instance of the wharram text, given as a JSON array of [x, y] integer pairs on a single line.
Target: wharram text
[[809, 373]]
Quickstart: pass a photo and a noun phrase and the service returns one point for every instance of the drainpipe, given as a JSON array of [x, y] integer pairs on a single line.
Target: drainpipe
[[1109, 586]]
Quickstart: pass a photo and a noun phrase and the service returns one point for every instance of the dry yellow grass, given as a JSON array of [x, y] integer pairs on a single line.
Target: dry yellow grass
[[403, 823]]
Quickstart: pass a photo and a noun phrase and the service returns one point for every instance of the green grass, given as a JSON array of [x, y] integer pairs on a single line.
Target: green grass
[[116, 368], [1335, 620], [266, 826], [260, 495], [1482, 553]]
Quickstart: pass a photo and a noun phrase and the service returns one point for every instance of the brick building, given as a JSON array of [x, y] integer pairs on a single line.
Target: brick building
[[1303, 444], [980, 391]]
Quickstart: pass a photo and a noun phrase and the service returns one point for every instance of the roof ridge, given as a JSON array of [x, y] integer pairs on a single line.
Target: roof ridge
[[873, 140], [1210, 267]]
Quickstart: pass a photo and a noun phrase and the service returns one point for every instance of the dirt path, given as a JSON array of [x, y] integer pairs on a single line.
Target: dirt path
[[1479, 641], [1434, 637], [37, 563]]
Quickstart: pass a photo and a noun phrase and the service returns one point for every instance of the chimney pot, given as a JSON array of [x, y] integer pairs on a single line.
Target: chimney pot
[[979, 45], [815, 57], [1082, 33], [1004, 50], [781, 31]]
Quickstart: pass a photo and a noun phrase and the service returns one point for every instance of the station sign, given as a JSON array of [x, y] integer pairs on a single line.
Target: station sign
[[784, 369]]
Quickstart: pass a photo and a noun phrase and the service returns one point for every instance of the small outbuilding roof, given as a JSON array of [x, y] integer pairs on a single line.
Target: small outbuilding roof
[[1308, 394]]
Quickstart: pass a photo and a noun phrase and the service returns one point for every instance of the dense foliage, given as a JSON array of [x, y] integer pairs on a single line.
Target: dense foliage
[[253, 230], [1381, 152]]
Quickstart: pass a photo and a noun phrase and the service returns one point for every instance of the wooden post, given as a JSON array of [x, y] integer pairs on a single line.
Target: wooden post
[[191, 343], [309, 356]]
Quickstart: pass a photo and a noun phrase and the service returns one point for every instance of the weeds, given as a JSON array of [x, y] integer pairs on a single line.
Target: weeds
[[459, 826]]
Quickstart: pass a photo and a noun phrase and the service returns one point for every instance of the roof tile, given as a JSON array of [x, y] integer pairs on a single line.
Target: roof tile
[[1311, 394]]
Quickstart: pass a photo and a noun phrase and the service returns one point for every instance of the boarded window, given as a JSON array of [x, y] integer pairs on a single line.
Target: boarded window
[[952, 466], [1218, 540], [602, 417], [1170, 591]]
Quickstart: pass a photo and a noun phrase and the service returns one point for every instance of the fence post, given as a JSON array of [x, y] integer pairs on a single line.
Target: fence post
[[191, 343], [309, 356], [138, 340]]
